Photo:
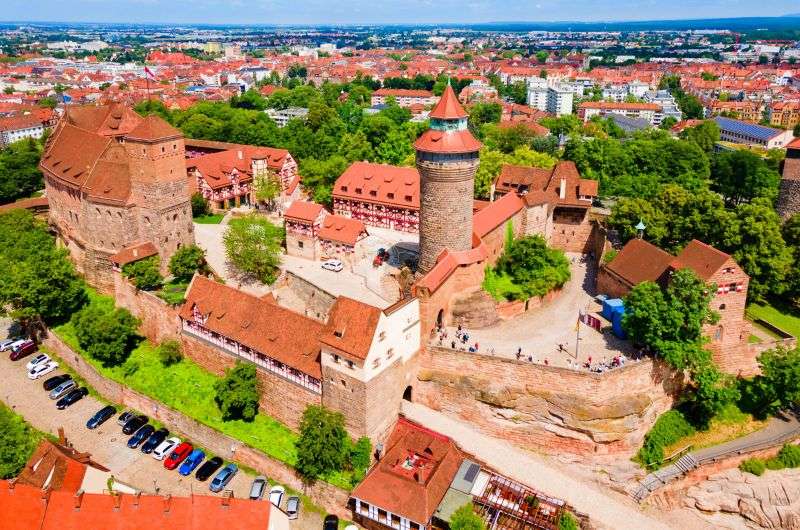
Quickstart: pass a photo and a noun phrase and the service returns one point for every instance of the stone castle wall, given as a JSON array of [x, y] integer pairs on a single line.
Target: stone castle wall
[[788, 202], [547, 408], [158, 320]]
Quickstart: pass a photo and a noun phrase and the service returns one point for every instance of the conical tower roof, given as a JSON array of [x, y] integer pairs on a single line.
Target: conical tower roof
[[448, 107]]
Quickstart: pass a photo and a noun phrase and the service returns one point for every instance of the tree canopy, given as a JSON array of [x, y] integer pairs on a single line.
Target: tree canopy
[[108, 335], [144, 273], [17, 442], [253, 246], [527, 268], [323, 443], [186, 261], [465, 518], [237, 393], [19, 170]]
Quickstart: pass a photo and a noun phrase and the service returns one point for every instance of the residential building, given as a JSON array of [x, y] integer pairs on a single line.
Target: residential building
[[751, 111], [665, 100], [116, 180], [645, 111], [554, 99], [281, 117], [19, 128], [742, 132], [403, 97], [640, 261], [380, 195], [302, 221], [784, 114]]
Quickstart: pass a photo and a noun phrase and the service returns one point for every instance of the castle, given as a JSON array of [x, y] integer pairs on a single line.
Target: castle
[[789, 196], [116, 184]]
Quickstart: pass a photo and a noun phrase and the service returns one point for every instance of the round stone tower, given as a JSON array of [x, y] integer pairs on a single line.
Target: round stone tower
[[447, 158], [789, 196]]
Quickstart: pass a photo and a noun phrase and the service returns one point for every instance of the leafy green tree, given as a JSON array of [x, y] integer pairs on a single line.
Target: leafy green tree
[[705, 135], [355, 147], [533, 268], [778, 385], [237, 393], [465, 518], [144, 273], [741, 176], [249, 100], [668, 123], [199, 205], [253, 245], [19, 170], [360, 457], [567, 125], [713, 391], [322, 444], [791, 235], [17, 442], [106, 335], [266, 187], [481, 113], [186, 261], [169, 352], [567, 521]]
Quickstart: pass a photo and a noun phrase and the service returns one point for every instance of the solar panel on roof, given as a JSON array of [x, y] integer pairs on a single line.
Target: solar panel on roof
[[472, 472]]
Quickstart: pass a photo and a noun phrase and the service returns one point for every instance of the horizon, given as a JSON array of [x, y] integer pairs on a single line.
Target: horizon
[[406, 12]]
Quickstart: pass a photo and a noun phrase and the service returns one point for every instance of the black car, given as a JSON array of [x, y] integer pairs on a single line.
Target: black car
[[124, 417], [141, 435], [209, 468], [73, 397], [52, 382], [154, 441], [100, 417], [134, 424], [331, 523]]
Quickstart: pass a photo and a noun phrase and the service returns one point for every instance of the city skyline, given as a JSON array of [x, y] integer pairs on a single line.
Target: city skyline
[[286, 12]]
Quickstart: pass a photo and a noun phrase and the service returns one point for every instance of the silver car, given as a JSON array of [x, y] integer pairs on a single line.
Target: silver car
[[293, 507], [62, 389], [258, 488]]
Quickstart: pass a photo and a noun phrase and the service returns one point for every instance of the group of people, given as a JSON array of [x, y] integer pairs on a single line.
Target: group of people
[[460, 341]]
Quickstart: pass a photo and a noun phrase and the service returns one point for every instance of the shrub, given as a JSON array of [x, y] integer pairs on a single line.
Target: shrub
[[106, 335], [790, 455], [465, 518], [323, 442], [186, 261], [774, 464], [237, 393], [567, 521], [17, 442], [169, 352], [754, 466], [609, 256], [144, 273], [668, 429], [130, 367], [360, 458], [527, 268], [253, 247], [199, 205]]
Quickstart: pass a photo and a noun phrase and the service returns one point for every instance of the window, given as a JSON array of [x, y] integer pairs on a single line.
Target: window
[[390, 195], [335, 358], [358, 190], [350, 364], [722, 307], [382, 335], [408, 198], [372, 512], [390, 353], [300, 244], [377, 362], [163, 149], [373, 193], [338, 333], [344, 188]]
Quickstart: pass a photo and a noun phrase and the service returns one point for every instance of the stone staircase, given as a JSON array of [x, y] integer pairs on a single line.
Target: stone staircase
[[663, 476]]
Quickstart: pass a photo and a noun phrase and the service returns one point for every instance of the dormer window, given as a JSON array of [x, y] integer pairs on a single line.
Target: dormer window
[[373, 193], [350, 364], [344, 188], [390, 195], [408, 198], [358, 190], [338, 333]]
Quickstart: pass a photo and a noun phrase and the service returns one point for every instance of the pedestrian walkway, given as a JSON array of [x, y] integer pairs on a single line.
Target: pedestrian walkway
[[606, 509], [778, 430]]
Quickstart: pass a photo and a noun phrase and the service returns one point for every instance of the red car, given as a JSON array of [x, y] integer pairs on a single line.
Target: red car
[[178, 455], [23, 349]]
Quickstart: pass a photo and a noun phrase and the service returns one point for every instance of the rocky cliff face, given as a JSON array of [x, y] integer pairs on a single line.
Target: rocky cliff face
[[733, 499]]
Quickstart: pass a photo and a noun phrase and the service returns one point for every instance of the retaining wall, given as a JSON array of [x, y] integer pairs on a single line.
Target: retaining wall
[[159, 320], [331, 498]]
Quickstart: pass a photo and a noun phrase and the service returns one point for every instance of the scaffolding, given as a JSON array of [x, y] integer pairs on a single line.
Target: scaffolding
[[508, 505]]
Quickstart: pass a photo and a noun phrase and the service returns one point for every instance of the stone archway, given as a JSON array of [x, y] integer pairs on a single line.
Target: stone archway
[[407, 393], [440, 319]]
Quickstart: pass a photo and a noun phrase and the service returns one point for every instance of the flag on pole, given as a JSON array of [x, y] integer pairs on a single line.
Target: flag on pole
[[149, 73]]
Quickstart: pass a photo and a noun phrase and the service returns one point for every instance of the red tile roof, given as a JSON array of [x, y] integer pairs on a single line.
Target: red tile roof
[[57, 466], [703, 259], [29, 508], [303, 211], [19, 122], [414, 474], [448, 107], [285, 336], [341, 230], [351, 327], [134, 253], [639, 261], [403, 92], [449, 260], [496, 214], [379, 183], [153, 128], [33, 204], [217, 168], [433, 141], [543, 186]]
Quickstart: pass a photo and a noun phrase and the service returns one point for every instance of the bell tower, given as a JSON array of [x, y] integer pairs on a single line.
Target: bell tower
[[447, 159]]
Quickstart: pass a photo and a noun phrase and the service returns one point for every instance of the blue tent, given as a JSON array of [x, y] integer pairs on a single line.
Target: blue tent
[[610, 306]]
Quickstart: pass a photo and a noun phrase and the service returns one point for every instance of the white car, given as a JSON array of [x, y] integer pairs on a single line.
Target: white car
[[333, 265], [276, 495], [42, 369], [12, 344], [165, 448], [42, 358]]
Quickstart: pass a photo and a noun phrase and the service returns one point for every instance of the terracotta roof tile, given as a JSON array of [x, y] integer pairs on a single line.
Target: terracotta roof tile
[[639, 261], [351, 327], [434, 141], [134, 253], [33, 203], [379, 183], [703, 259], [153, 128], [403, 92], [341, 229], [448, 107], [496, 214], [303, 211]]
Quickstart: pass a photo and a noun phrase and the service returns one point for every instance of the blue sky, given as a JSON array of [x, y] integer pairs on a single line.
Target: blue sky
[[382, 11]]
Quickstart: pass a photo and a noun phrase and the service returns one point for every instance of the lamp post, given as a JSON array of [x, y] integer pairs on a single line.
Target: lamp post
[[640, 229]]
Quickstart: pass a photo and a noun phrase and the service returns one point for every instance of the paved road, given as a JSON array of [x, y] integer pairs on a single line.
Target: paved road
[[606, 509], [778, 428]]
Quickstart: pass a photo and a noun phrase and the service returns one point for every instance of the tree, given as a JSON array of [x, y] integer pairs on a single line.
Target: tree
[[144, 273], [360, 457], [19, 170], [199, 205], [106, 335], [322, 444], [253, 245], [532, 268], [778, 385], [567, 521], [481, 113], [741, 176], [668, 123], [705, 135], [796, 131], [465, 518], [169, 352], [542, 56], [17, 442], [186, 261], [237, 393], [791, 235], [266, 187]]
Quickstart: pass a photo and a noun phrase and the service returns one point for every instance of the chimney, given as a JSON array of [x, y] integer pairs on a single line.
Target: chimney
[[77, 499], [12, 483], [167, 502], [117, 501], [241, 155], [562, 191], [226, 498], [136, 497], [62, 439]]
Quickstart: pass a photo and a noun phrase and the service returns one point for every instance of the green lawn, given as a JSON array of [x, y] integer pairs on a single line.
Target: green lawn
[[211, 219], [173, 292], [18, 440], [778, 314], [189, 388]]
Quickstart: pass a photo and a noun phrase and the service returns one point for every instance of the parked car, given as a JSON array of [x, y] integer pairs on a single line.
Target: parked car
[[154, 441], [62, 389], [333, 265], [293, 507], [39, 359], [134, 424], [42, 369], [125, 417], [191, 462], [178, 455], [71, 398], [331, 523], [140, 436], [276, 495], [22, 350], [258, 487], [208, 468], [52, 382], [100, 417], [223, 477], [7, 344], [165, 448]]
